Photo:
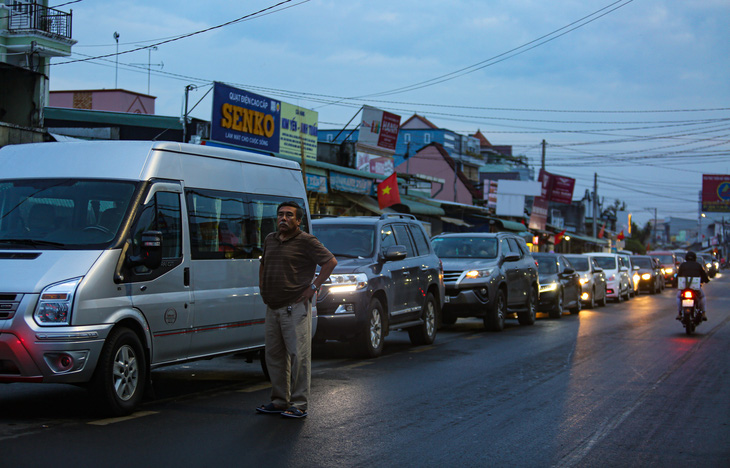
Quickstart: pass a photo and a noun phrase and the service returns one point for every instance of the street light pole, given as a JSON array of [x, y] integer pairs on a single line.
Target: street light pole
[[116, 59]]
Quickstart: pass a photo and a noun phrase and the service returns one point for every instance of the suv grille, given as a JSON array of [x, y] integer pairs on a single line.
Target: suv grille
[[8, 305], [452, 275]]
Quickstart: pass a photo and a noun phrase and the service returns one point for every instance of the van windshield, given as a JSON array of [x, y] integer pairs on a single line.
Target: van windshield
[[62, 213]]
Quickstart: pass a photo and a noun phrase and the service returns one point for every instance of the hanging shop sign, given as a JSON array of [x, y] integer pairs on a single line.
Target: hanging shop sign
[[345, 183], [250, 120]]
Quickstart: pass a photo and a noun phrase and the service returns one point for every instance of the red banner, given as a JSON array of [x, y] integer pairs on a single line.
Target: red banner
[[556, 188]]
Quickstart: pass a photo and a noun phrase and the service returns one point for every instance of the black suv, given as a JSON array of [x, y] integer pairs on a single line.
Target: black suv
[[387, 278], [487, 275]]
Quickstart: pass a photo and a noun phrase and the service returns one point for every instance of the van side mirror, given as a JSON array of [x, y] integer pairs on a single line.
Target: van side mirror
[[150, 254]]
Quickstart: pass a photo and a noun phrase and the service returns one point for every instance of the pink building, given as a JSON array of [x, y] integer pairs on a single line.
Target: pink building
[[433, 160], [111, 100]]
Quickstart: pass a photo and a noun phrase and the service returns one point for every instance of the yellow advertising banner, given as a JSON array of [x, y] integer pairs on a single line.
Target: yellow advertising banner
[[298, 130]]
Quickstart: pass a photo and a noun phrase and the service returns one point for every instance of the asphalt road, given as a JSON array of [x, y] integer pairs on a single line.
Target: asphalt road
[[620, 385]]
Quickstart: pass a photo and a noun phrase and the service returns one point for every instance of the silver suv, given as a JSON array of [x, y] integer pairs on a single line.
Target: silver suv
[[487, 275], [387, 278]]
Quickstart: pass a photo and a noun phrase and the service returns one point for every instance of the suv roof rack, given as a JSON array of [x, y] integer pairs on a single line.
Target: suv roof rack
[[321, 215], [396, 215]]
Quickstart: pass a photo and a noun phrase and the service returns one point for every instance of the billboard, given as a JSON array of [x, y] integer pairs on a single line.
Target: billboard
[[379, 129], [246, 119], [716, 193], [556, 188]]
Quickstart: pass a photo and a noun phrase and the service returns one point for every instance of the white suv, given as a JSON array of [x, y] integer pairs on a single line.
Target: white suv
[[618, 283]]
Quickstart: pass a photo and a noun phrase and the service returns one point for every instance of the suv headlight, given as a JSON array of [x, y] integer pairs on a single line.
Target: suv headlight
[[548, 287], [55, 304], [485, 273], [347, 283]]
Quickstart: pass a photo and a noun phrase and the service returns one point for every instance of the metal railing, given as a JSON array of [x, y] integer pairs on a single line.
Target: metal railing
[[35, 16]]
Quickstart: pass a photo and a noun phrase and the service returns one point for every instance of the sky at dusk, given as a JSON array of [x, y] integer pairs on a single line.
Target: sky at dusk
[[635, 91]]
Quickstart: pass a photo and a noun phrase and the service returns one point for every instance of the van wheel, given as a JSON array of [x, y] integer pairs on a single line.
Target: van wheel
[[528, 316], [604, 301], [592, 302], [121, 373], [494, 317], [425, 333], [370, 340]]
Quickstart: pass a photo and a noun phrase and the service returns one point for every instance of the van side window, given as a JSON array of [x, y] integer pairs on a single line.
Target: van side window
[[217, 221], [261, 220], [162, 214]]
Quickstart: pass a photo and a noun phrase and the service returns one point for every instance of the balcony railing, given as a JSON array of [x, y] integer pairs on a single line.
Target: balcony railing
[[38, 17]]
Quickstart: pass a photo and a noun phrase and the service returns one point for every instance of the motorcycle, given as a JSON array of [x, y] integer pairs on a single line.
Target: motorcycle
[[691, 315]]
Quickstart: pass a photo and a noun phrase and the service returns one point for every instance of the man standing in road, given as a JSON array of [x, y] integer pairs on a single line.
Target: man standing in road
[[288, 265]]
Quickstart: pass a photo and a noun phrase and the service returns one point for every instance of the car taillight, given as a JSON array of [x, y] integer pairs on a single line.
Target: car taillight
[[687, 295]]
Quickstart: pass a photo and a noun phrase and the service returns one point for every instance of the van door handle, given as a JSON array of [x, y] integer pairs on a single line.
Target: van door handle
[[186, 276]]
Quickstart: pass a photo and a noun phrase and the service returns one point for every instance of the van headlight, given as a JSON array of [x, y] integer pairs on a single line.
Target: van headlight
[[347, 283], [548, 287], [55, 304]]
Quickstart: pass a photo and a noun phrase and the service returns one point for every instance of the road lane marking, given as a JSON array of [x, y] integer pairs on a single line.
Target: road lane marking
[[357, 364], [256, 388], [106, 422], [422, 349]]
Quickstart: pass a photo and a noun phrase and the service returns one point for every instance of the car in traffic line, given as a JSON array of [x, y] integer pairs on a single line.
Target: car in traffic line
[[592, 280], [559, 284], [650, 275], [487, 275], [618, 285], [634, 278], [670, 263], [387, 278]]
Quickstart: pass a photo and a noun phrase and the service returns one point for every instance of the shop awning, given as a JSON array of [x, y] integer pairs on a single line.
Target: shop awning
[[458, 222], [504, 224], [420, 208], [369, 203], [591, 240]]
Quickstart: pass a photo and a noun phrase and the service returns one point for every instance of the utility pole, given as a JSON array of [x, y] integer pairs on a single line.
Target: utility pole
[[188, 88], [116, 59], [595, 205], [543, 154]]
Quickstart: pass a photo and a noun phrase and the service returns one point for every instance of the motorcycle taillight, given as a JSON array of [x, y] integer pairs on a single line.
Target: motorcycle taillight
[[687, 295]]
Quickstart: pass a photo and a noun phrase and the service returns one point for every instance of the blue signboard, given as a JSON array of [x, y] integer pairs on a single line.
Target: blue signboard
[[345, 183], [316, 183], [245, 119]]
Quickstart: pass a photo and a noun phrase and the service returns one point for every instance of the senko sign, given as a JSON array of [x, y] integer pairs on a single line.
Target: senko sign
[[245, 119]]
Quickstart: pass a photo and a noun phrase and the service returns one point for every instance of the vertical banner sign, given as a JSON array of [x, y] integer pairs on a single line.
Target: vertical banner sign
[[539, 214], [298, 128], [379, 129], [716, 193]]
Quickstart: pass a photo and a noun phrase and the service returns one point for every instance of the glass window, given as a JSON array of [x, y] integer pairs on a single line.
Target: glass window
[[347, 240], [387, 237], [407, 137], [580, 264], [61, 213], [427, 138], [607, 263], [161, 213], [230, 224], [546, 266], [420, 239], [401, 235]]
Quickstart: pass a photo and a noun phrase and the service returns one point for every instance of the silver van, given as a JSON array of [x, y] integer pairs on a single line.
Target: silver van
[[119, 257]]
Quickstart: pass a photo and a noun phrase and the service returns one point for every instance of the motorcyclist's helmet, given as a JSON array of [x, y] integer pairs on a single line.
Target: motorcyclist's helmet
[[691, 257]]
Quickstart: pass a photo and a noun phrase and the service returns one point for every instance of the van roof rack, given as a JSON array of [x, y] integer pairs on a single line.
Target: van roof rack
[[321, 215], [397, 215]]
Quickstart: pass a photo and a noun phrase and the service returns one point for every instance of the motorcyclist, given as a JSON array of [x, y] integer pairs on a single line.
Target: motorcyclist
[[692, 269]]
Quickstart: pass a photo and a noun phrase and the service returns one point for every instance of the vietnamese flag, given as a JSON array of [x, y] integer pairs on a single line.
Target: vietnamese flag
[[559, 237], [388, 191], [620, 235], [603, 228]]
